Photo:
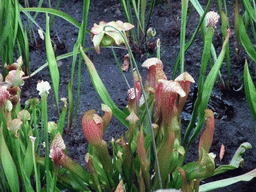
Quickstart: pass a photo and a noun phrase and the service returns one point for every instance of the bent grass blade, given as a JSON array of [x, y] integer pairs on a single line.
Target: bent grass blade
[[250, 90], [53, 67], [102, 91]]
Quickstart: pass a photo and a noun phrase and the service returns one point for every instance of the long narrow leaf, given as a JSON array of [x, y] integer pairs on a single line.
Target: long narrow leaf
[[250, 9], [31, 18], [245, 40], [200, 10], [53, 66], [55, 12], [250, 90], [226, 182], [8, 164], [102, 91], [23, 43], [184, 10], [80, 41], [191, 41]]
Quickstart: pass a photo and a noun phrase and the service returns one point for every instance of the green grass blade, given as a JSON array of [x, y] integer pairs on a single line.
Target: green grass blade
[[81, 41], [137, 14], [53, 66], [63, 56], [224, 26], [71, 103], [126, 12], [61, 121], [44, 120], [142, 14], [102, 91], [28, 160], [250, 9], [38, 6], [253, 28], [57, 13], [207, 89], [153, 2], [250, 90], [200, 10], [120, 68], [191, 41], [23, 43], [184, 10], [7, 34], [31, 18], [245, 40], [8, 164]]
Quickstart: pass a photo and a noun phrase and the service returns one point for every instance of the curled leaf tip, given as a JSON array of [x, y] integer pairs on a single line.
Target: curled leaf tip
[[97, 119], [172, 86], [152, 61], [209, 113], [185, 77], [13, 126], [4, 94], [56, 149], [132, 117]]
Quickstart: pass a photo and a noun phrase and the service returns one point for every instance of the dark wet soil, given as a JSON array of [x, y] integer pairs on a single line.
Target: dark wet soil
[[234, 122]]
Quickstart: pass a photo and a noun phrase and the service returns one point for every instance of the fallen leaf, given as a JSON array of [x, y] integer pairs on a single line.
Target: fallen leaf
[[222, 151], [125, 66]]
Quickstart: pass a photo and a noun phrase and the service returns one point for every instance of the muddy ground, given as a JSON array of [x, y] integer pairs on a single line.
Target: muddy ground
[[234, 123]]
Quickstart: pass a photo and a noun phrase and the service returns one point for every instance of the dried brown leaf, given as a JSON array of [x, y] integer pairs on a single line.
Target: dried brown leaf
[[125, 66], [222, 151]]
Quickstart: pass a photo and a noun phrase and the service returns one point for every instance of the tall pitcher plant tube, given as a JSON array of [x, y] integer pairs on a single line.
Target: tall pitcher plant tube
[[155, 72], [185, 79], [92, 125]]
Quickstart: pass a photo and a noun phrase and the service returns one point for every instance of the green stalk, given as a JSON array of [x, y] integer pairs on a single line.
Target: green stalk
[[46, 140], [153, 2], [57, 13], [105, 159], [128, 14], [184, 9], [53, 66], [158, 50], [80, 41], [38, 183], [142, 15], [8, 164], [191, 41], [137, 14], [120, 68], [205, 57]]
